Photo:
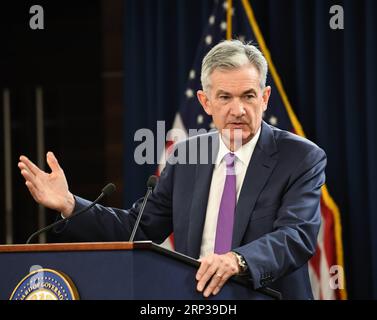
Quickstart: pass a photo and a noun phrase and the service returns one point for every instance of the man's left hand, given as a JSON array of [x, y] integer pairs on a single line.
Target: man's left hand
[[216, 270]]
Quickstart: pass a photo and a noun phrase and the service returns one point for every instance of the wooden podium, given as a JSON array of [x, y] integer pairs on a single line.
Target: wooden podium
[[117, 270]]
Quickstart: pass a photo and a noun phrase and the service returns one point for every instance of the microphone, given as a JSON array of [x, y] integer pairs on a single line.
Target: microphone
[[106, 191], [151, 183]]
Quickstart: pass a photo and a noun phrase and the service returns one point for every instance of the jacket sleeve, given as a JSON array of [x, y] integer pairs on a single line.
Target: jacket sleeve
[[102, 223], [293, 239]]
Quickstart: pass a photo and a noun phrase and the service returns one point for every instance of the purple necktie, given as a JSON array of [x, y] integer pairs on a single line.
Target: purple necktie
[[224, 231]]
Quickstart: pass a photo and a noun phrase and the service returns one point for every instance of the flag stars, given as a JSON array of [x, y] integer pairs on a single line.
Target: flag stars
[[189, 93], [192, 74], [212, 20], [273, 120], [200, 119], [212, 125], [208, 39], [223, 26], [225, 6]]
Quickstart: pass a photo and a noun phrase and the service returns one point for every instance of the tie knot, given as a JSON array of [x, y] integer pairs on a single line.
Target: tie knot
[[229, 160]]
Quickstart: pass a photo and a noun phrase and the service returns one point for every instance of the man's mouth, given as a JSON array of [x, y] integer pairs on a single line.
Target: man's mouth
[[237, 124]]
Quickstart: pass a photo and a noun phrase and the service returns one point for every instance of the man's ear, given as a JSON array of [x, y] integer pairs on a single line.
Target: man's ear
[[266, 97], [204, 101]]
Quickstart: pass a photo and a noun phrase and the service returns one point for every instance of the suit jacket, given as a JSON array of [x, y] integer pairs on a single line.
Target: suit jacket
[[277, 215]]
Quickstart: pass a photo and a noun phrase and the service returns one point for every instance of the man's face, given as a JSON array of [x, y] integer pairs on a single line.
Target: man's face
[[236, 102]]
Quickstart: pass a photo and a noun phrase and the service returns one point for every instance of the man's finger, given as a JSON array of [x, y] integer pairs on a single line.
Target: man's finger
[[37, 181], [52, 162], [32, 190], [206, 276], [204, 265], [30, 165], [221, 283], [28, 176], [215, 282], [22, 166]]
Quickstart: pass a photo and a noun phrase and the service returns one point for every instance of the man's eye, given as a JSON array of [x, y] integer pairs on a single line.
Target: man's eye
[[249, 96], [224, 98]]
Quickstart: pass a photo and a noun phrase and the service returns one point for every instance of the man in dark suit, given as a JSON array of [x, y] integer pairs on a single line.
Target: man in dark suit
[[253, 208]]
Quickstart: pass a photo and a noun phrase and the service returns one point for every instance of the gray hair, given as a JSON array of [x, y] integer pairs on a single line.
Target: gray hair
[[233, 54]]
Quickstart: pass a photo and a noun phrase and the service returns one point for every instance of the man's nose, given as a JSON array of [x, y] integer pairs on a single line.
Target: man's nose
[[237, 108]]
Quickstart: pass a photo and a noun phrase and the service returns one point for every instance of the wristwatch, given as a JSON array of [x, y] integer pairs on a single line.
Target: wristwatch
[[241, 262]]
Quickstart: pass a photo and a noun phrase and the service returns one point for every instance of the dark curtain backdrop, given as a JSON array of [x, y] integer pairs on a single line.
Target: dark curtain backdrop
[[160, 43], [329, 76]]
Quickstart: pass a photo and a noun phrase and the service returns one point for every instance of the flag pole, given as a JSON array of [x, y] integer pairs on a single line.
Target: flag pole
[[229, 10]]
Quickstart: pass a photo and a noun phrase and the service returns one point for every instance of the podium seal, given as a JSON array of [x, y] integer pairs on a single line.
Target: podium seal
[[45, 284]]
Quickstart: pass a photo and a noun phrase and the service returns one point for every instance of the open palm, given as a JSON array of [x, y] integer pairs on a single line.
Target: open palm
[[48, 189]]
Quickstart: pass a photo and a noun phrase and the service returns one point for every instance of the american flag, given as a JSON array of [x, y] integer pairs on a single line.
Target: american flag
[[236, 19]]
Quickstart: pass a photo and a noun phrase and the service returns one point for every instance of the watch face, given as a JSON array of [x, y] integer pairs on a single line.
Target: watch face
[[242, 263]]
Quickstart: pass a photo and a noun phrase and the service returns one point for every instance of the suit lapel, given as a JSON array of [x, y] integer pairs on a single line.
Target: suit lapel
[[261, 165], [203, 178]]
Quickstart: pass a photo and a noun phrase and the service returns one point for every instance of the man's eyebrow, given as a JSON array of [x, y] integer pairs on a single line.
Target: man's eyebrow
[[249, 91], [222, 92]]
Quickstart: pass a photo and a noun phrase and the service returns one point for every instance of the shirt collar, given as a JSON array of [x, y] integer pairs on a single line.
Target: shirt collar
[[243, 154]]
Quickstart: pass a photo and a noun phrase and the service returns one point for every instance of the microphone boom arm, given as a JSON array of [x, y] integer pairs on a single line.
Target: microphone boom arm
[[107, 190], [149, 191]]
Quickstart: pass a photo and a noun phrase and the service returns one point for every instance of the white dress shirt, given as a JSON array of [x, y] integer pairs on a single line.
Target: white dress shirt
[[242, 159]]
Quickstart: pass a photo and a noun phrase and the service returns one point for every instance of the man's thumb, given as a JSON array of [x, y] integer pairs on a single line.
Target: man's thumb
[[52, 161]]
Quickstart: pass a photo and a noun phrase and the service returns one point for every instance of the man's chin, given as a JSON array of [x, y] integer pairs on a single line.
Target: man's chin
[[235, 138]]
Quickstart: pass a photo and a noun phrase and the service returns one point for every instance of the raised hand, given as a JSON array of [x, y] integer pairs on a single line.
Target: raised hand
[[48, 189]]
